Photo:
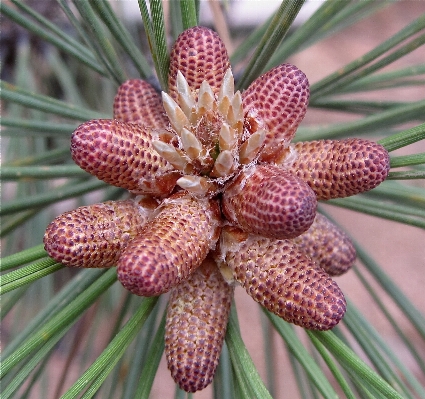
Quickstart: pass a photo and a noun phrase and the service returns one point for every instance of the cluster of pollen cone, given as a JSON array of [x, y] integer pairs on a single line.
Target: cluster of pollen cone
[[219, 197]]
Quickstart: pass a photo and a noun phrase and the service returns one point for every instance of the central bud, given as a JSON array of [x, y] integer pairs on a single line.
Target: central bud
[[210, 138]]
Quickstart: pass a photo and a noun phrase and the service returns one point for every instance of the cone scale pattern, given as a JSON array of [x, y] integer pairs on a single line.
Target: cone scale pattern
[[341, 168], [138, 102], [279, 98], [169, 247], [328, 246], [121, 154], [197, 316], [223, 198], [283, 279], [95, 235], [269, 201], [200, 55]]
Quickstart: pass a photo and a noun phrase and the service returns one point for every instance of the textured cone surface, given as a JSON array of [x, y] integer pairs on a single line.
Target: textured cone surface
[[138, 102], [121, 154], [282, 279], [328, 246], [196, 322], [170, 246], [199, 54], [280, 99], [269, 201], [340, 168], [94, 235]]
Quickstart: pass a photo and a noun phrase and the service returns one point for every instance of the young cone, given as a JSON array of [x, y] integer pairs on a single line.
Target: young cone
[[269, 201], [341, 168], [170, 246], [328, 246], [95, 235], [138, 102], [199, 54], [196, 322], [279, 98], [281, 278], [121, 154]]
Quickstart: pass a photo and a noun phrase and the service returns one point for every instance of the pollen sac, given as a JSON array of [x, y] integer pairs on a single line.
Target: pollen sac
[[341, 168], [121, 154], [138, 102], [95, 235], [269, 201], [196, 320], [170, 246], [328, 246], [200, 55], [276, 274], [279, 98]]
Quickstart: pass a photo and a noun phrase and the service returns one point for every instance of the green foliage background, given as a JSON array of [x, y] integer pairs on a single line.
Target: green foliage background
[[64, 73]]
